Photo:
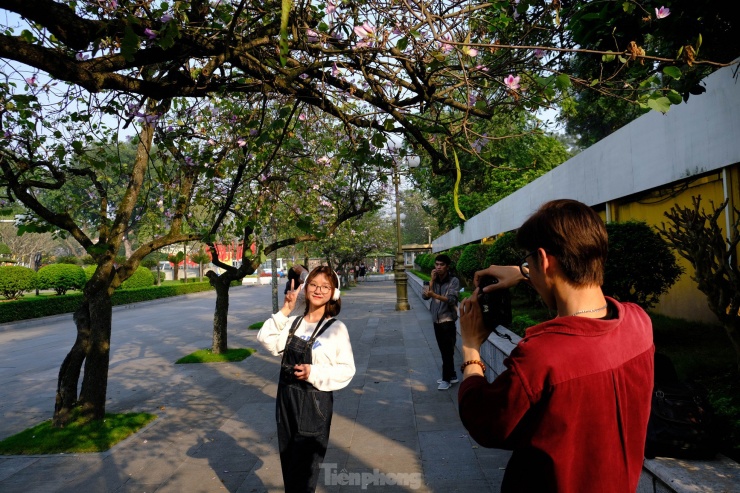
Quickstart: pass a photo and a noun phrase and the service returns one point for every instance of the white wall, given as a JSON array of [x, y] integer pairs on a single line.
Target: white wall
[[654, 150]]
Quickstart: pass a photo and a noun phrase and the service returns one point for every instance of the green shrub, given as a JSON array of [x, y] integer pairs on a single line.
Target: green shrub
[[61, 277], [28, 308], [640, 266], [504, 251], [471, 260], [89, 271], [141, 278], [68, 259], [15, 280]]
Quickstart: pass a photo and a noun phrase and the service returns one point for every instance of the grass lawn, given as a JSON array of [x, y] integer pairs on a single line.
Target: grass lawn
[[207, 356], [79, 436]]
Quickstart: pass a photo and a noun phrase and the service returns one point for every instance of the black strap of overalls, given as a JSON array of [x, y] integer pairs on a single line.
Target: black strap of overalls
[[316, 331]]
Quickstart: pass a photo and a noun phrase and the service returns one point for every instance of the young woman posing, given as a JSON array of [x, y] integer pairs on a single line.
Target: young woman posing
[[316, 360]]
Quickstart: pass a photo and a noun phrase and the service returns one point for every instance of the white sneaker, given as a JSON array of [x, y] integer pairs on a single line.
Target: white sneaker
[[444, 385], [454, 380]]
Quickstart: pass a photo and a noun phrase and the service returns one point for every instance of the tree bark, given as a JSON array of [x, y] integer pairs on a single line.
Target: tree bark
[[69, 372], [222, 284], [95, 382]]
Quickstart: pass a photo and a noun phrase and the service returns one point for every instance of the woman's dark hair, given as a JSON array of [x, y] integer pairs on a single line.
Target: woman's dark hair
[[332, 307], [574, 234]]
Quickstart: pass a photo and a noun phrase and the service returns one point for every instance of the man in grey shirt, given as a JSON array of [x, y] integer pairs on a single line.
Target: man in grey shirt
[[443, 291]]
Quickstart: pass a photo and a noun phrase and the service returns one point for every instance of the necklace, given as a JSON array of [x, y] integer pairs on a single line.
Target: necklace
[[590, 311]]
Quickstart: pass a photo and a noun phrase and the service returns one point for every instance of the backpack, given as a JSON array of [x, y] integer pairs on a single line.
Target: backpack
[[681, 423]]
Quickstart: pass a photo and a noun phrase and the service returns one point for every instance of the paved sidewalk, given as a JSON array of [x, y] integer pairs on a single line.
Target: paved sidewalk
[[216, 425]]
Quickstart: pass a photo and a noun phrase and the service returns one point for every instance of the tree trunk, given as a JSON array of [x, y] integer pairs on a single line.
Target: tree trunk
[[222, 284], [69, 372], [92, 347], [175, 270], [95, 382]]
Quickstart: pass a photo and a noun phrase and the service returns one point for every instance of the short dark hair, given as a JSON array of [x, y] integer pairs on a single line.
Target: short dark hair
[[333, 307], [443, 258], [574, 234]]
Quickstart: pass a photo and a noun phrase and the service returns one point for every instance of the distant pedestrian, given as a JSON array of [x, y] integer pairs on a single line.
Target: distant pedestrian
[[317, 359], [444, 290], [363, 270]]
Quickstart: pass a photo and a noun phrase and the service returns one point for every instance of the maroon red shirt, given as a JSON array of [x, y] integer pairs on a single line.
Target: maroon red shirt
[[573, 404]]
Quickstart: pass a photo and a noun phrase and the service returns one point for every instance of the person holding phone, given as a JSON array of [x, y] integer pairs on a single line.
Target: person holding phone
[[317, 359], [443, 290]]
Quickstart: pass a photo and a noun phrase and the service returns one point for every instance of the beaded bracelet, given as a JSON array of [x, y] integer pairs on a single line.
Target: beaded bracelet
[[473, 362]]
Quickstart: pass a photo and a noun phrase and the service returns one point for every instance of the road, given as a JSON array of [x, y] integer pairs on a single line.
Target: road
[[153, 333]]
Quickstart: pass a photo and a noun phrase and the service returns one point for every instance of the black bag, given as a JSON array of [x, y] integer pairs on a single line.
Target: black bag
[[681, 421]]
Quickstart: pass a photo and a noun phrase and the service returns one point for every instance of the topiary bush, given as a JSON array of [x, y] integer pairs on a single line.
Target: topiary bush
[[89, 271], [472, 259], [141, 278], [15, 280], [68, 259], [640, 266], [61, 278], [504, 251]]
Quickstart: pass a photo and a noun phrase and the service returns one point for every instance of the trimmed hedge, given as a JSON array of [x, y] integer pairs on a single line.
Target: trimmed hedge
[[25, 309], [61, 278], [15, 280], [141, 278]]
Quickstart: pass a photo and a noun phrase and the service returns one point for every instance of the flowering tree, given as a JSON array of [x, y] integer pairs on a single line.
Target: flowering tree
[[421, 69], [75, 70]]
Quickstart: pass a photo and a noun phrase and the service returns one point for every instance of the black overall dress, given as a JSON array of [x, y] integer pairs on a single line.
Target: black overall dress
[[303, 415]]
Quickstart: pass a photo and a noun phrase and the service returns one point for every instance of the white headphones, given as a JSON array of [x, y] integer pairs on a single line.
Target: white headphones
[[337, 292]]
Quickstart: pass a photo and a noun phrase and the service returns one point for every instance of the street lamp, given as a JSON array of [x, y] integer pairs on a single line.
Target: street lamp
[[402, 297]]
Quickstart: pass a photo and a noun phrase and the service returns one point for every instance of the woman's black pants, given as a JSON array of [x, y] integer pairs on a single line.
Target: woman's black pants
[[303, 421]]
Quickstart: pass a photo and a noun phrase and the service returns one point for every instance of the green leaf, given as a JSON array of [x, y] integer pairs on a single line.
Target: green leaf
[[304, 224], [674, 97], [672, 72], [28, 36], [402, 43], [609, 57], [130, 44], [662, 104], [562, 82], [379, 140]]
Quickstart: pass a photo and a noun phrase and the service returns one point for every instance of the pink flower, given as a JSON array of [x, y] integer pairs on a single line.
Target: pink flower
[[302, 117], [150, 34], [366, 30], [471, 52], [312, 36], [482, 68], [446, 47], [334, 69], [241, 142], [31, 81], [366, 33], [662, 12], [539, 53], [165, 18], [80, 56], [512, 82], [324, 160], [330, 7]]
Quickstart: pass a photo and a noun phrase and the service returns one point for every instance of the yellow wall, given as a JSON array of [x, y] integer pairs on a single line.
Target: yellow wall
[[684, 300]]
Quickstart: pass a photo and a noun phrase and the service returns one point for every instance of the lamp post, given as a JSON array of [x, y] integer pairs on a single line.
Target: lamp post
[[402, 297]]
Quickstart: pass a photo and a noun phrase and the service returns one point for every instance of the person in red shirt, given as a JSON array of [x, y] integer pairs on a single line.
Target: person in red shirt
[[574, 400]]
